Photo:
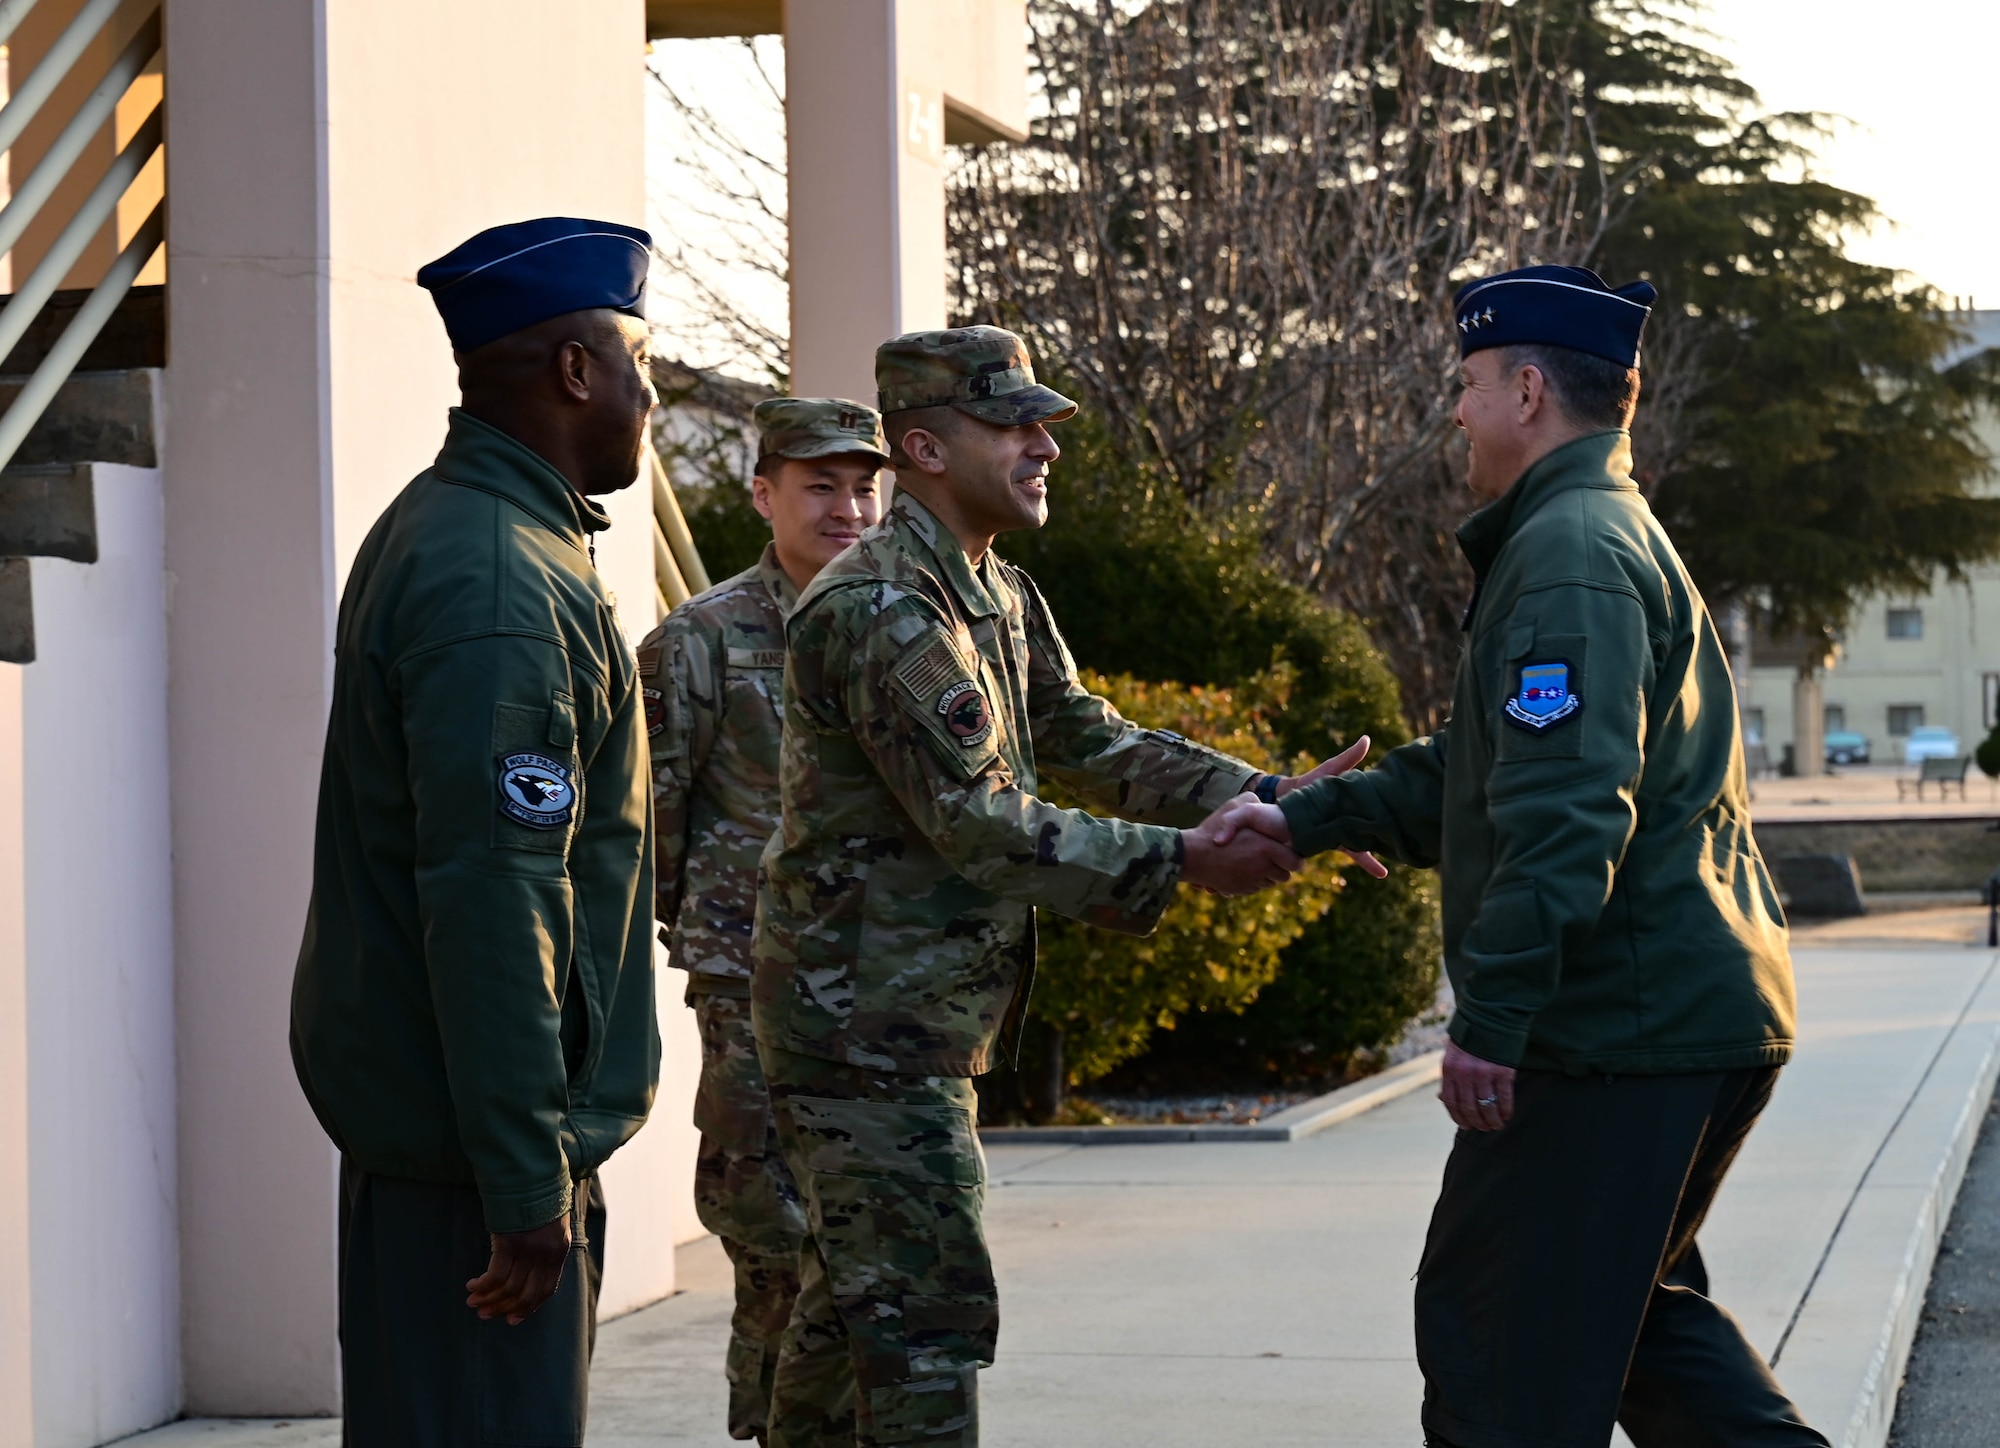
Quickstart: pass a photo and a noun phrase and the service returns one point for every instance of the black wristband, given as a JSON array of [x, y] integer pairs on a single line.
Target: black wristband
[[1266, 788]]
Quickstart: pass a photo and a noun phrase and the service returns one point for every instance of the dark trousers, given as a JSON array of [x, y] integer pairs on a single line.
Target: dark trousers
[[418, 1367], [1561, 1289]]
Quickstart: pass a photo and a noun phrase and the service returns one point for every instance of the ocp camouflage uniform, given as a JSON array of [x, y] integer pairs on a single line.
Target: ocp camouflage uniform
[[711, 676], [924, 696]]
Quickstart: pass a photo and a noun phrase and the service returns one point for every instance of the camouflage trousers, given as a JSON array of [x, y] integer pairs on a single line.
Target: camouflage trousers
[[897, 1308], [744, 1194]]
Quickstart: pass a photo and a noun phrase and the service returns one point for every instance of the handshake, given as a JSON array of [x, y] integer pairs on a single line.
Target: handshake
[[1246, 845]]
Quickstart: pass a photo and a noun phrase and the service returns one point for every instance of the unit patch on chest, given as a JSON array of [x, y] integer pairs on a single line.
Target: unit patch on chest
[[1544, 698]]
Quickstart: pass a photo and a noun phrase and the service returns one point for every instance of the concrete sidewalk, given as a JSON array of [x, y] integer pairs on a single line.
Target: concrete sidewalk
[[1200, 1294]]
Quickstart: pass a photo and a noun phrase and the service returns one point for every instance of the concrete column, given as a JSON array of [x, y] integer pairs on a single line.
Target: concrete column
[[321, 154], [843, 168], [250, 500], [873, 91]]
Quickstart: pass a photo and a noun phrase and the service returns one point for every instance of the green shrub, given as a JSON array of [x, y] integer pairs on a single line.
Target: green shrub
[[1344, 989], [1101, 995], [1987, 755]]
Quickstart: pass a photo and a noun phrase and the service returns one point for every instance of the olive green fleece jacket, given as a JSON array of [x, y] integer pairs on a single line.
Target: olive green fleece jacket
[[1605, 906], [474, 998]]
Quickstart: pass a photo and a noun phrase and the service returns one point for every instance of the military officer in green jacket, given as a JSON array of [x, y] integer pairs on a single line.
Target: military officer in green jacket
[[712, 676], [927, 691], [472, 1015], [1624, 987]]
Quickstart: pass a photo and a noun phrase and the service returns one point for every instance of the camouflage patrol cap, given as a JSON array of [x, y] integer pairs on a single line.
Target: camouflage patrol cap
[[817, 427], [981, 370]]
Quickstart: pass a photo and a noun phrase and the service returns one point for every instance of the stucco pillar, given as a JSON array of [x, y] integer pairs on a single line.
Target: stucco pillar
[[248, 464], [873, 91], [320, 154]]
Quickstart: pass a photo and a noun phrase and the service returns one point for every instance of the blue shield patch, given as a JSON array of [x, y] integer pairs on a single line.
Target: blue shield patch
[[1545, 697]]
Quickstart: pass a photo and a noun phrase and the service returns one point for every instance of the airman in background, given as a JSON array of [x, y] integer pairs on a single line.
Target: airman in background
[[712, 677], [926, 691]]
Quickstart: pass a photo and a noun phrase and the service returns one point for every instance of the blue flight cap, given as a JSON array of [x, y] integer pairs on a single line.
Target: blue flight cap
[[1561, 306], [514, 276]]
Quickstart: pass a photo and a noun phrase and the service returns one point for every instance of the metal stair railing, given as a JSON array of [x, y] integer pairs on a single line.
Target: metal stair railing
[[678, 574], [32, 295]]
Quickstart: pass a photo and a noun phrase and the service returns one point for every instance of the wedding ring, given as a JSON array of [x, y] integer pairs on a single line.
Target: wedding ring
[[1486, 1101]]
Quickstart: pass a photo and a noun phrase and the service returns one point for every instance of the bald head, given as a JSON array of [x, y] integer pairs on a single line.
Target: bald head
[[575, 389]]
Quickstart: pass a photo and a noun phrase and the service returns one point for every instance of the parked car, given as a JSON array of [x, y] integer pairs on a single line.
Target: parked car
[[1844, 746], [1930, 741]]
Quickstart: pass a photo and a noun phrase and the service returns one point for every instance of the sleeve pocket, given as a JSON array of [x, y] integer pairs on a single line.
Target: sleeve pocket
[[537, 795], [1546, 706]]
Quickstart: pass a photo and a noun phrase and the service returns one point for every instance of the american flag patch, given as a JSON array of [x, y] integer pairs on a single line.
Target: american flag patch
[[926, 675]]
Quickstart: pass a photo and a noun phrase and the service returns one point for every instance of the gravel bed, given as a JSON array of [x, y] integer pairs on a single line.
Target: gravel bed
[[1241, 1108]]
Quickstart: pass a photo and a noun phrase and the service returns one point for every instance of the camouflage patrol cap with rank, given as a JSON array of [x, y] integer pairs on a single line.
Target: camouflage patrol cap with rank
[[981, 370], [817, 427]]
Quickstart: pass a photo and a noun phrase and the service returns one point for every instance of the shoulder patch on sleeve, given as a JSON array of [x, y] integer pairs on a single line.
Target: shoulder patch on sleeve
[[536, 791], [965, 714], [1544, 696], [649, 660], [930, 671]]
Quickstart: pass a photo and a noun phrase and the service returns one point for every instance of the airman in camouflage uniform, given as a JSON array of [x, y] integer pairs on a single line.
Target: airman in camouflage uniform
[[926, 691], [711, 676]]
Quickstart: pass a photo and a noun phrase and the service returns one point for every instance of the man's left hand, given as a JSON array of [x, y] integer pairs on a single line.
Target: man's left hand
[[1479, 1095], [1352, 755]]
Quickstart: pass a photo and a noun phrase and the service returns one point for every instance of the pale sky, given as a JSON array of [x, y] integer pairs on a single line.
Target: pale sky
[[1916, 80]]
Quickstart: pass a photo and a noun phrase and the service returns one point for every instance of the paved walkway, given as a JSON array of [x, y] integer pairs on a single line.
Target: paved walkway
[[1204, 1294]]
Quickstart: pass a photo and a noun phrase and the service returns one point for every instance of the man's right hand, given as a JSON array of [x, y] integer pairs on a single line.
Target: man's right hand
[[1220, 857], [523, 1273]]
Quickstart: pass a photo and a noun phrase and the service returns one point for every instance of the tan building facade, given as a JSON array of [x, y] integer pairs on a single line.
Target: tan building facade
[[167, 1202], [1905, 662]]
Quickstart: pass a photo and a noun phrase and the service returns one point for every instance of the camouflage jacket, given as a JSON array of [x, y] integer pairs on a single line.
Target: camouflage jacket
[[924, 697], [712, 676]]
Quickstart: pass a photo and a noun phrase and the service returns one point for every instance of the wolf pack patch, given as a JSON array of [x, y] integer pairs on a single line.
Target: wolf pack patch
[[965, 713], [536, 791], [1544, 698]]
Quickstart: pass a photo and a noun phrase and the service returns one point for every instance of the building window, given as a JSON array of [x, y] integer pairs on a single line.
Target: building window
[[1835, 718], [1753, 726], [1906, 623], [1905, 719]]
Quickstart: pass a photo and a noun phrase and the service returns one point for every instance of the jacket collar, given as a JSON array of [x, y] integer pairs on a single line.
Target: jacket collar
[[1599, 460], [777, 582], [478, 455], [920, 523]]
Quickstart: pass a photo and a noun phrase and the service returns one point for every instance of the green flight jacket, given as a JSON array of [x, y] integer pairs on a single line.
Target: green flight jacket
[[1605, 906], [474, 998]]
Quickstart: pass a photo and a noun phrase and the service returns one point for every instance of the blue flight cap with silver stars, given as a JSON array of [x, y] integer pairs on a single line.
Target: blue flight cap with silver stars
[[1560, 306], [513, 276]]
